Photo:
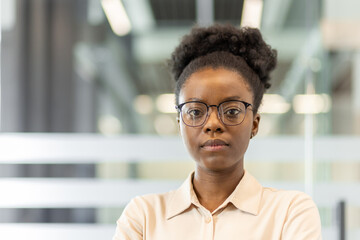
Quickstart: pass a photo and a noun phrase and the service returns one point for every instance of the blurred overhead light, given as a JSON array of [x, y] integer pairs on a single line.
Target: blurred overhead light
[[274, 103], [109, 125], [165, 103], [143, 104], [165, 125], [312, 103], [339, 34], [117, 17], [251, 14]]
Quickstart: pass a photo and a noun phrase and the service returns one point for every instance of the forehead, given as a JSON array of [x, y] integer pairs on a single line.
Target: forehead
[[214, 85]]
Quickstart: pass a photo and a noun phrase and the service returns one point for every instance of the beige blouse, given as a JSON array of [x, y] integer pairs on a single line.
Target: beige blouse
[[250, 212]]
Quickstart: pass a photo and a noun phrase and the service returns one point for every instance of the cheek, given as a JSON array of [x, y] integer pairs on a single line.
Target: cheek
[[184, 131], [189, 138], [243, 137], [247, 128]]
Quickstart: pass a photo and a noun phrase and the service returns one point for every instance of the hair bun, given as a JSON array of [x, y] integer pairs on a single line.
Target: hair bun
[[244, 42]]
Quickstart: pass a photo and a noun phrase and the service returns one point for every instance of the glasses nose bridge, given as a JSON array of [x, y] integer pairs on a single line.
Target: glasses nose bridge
[[209, 111]]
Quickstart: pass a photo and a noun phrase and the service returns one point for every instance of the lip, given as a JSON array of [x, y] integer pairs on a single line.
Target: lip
[[214, 145]]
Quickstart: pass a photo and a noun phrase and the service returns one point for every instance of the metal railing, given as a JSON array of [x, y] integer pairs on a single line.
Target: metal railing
[[97, 193]]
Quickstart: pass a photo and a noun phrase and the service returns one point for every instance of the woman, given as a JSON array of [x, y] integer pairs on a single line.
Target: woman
[[221, 74]]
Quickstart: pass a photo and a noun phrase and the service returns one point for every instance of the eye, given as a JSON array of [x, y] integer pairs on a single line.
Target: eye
[[232, 112], [195, 113]]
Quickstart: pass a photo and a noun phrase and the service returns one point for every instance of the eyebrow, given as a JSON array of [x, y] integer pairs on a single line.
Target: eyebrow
[[223, 100]]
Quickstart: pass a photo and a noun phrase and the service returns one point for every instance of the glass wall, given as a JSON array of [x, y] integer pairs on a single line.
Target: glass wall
[[77, 72]]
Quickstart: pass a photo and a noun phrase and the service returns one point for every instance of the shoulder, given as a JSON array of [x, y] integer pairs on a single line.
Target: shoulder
[[148, 202], [137, 213], [289, 196], [287, 200], [301, 219]]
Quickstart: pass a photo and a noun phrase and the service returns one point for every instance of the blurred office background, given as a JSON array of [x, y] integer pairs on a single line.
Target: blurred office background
[[87, 111]]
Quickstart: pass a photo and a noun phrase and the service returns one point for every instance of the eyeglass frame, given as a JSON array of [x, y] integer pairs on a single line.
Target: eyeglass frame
[[179, 107]]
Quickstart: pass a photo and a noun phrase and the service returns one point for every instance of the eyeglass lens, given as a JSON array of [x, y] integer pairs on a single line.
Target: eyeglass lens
[[196, 113]]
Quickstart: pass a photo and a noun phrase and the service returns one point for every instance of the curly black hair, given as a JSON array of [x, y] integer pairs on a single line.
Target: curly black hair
[[242, 50]]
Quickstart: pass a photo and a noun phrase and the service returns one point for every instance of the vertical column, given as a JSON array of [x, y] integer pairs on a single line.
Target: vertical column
[[61, 89], [356, 92], [37, 80], [12, 67], [0, 62], [309, 137], [205, 12]]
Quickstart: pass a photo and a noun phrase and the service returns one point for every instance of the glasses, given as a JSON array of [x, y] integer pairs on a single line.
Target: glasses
[[195, 113]]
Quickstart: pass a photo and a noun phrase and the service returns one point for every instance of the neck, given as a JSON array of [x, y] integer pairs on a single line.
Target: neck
[[214, 187]]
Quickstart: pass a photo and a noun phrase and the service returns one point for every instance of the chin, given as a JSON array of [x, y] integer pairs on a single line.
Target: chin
[[216, 164]]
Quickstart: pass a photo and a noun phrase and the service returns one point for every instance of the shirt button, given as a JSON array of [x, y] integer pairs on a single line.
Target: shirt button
[[208, 220]]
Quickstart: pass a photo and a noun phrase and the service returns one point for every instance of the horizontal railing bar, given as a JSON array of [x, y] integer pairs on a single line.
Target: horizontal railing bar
[[20, 231], [88, 148], [46, 231], [85, 193], [76, 193], [94, 148], [326, 194]]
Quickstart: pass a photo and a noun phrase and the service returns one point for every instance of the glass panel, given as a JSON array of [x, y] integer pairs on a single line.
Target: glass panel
[[66, 67]]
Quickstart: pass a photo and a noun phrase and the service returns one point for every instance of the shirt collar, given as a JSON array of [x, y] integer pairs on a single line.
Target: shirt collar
[[181, 199], [246, 196]]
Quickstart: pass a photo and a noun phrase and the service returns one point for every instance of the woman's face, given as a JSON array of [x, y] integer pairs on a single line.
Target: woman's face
[[215, 146]]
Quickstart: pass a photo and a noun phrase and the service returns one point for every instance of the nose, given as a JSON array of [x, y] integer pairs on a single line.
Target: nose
[[213, 122]]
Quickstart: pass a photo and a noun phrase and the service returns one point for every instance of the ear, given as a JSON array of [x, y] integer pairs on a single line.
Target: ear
[[255, 125]]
